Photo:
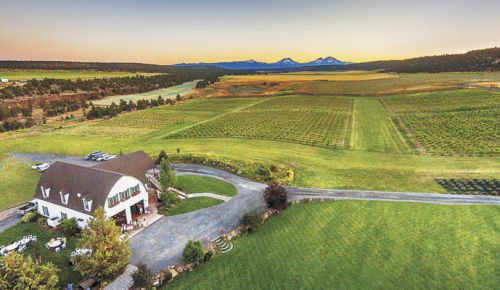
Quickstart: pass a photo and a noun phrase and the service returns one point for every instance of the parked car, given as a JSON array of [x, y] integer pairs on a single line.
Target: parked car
[[41, 166], [96, 156], [26, 208], [91, 154], [110, 157]]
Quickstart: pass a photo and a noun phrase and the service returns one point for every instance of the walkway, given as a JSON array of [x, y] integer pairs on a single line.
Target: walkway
[[211, 195]]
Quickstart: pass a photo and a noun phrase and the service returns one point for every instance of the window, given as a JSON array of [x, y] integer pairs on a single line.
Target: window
[[124, 194], [64, 197], [87, 205], [134, 189], [114, 200], [45, 211], [45, 192], [64, 215]]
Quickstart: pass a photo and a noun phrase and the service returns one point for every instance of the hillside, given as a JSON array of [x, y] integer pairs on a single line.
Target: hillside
[[474, 60]]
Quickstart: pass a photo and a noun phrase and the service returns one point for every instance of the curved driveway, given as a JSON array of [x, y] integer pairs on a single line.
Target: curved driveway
[[161, 244]]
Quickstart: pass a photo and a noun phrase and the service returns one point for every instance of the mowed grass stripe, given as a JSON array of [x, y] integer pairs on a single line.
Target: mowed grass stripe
[[374, 129], [361, 245]]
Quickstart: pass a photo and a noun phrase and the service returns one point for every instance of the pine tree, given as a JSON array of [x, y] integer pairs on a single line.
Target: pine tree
[[110, 255]]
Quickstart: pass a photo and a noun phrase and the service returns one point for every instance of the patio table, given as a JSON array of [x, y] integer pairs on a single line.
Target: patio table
[[55, 243], [11, 247]]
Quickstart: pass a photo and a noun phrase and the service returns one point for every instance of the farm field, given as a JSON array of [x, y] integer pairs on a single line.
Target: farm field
[[292, 119], [204, 184], [166, 93], [19, 75], [361, 245], [311, 76], [459, 122], [351, 83], [373, 155]]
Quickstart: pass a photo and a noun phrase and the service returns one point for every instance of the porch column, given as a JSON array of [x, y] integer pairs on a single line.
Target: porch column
[[128, 215], [146, 203]]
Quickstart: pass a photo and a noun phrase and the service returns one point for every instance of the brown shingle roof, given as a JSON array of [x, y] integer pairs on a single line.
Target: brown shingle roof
[[135, 164], [93, 184]]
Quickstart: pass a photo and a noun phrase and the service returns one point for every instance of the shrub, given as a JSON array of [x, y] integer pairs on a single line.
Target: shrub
[[69, 226], [276, 197], [208, 256], [193, 252], [41, 220], [162, 155], [252, 221], [29, 217], [168, 275], [142, 276]]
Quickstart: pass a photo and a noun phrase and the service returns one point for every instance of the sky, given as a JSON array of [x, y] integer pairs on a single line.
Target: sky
[[175, 31]]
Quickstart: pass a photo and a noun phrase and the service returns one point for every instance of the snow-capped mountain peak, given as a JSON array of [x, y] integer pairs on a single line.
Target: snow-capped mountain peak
[[287, 60]]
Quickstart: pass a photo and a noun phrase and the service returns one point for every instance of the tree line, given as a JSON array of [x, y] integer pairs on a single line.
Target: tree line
[[97, 88], [112, 110], [472, 61]]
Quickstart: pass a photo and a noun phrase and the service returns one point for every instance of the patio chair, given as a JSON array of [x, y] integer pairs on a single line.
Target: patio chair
[[33, 238]]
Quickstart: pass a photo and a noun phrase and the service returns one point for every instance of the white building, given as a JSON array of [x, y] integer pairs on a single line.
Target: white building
[[4, 80], [119, 186]]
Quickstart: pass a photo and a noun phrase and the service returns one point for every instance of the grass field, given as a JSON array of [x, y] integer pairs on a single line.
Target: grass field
[[63, 74], [373, 128], [192, 204], [18, 182], [166, 93], [60, 259], [361, 245], [204, 184]]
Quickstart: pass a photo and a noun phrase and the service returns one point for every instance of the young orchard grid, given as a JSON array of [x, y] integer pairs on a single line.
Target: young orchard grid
[[318, 121]]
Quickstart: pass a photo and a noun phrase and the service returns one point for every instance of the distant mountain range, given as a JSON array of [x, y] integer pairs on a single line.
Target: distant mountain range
[[252, 64]]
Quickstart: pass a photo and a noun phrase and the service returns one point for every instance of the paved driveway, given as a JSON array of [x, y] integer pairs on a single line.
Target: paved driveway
[[161, 244]]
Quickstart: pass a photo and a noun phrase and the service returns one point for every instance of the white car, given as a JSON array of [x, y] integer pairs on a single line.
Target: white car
[[91, 154], [41, 166], [109, 157]]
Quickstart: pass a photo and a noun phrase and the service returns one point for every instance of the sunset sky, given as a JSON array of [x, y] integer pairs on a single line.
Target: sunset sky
[[166, 32]]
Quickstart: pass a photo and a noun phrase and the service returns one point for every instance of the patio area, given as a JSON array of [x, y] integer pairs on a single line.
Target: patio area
[[140, 218]]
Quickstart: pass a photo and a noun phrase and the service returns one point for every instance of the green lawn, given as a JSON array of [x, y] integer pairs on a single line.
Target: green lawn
[[192, 204], [362, 245], [17, 181], [63, 74], [373, 128], [61, 259], [203, 184]]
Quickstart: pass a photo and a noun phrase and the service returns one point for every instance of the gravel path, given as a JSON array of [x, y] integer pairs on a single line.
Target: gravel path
[[211, 195]]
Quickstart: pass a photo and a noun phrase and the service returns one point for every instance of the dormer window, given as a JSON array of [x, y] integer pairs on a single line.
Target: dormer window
[[64, 197], [45, 192], [87, 205]]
